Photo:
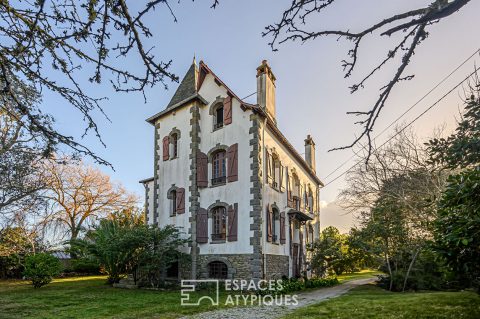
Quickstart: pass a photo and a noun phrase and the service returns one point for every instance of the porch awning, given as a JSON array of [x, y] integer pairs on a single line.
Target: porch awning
[[299, 215]]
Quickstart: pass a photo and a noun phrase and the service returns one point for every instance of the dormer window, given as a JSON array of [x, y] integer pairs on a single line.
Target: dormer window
[[218, 117]]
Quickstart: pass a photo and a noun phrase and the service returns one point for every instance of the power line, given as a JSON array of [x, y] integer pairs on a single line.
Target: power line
[[413, 121], [249, 95], [355, 153]]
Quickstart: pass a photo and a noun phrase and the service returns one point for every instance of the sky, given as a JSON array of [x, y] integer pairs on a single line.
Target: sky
[[312, 95]]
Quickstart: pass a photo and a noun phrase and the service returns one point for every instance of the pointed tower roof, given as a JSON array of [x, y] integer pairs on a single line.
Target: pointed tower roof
[[188, 86]]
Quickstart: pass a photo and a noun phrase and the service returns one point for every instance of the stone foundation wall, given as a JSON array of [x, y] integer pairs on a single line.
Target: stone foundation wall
[[238, 265], [276, 266]]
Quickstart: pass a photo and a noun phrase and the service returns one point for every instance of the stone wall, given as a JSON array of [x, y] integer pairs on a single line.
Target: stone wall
[[276, 266], [238, 265]]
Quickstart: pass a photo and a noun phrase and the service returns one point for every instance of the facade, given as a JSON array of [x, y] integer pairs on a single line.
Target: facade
[[227, 176]]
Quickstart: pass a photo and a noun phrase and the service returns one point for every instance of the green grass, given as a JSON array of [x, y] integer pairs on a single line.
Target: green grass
[[366, 273], [372, 302], [89, 297]]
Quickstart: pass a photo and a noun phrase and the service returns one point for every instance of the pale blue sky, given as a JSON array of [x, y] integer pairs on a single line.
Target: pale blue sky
[[312, 95]]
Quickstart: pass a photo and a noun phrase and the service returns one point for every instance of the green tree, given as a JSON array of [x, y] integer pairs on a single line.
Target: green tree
[[123, 246], [457, 228]]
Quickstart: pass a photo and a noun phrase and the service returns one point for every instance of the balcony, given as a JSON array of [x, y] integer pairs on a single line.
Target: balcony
[[218, 237], [219, 180]]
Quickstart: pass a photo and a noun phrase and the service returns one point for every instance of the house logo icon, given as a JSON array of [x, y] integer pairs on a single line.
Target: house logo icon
[[188, 288]]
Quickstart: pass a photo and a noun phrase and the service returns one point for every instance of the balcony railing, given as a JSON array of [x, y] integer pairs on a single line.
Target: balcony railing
[[219, 180], [216, 126], [220, 236]]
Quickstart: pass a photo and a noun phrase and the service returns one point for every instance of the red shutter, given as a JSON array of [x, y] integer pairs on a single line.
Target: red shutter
[[232, 158], [166, 146], [282, 228], [269, 223], [232, 222], [180, 205], [202, 226], [227, 110], [202, 169]]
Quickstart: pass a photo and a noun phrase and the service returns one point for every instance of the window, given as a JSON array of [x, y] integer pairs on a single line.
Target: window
[[275, 226], [218, 120], [219, 218], [174, 143], [217, 270], [173, 203], [219, 168]]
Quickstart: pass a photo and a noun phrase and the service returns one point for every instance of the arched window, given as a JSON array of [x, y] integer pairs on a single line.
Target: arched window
[[217, 270], [174, 143], [173, 203], [218, 117], [219, 220], [219, 168]]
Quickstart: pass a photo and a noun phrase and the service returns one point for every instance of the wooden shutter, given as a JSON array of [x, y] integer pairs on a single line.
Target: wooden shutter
[[289, 190], [227, 110], [202, 169], [202, 226], [281, 184], [180, 204], [232, 222], [166, 148], [267, 166], [282, 228], [232, 158], [269, 223]]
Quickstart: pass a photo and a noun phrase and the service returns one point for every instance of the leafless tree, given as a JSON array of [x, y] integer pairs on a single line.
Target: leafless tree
[[50, 44], [80, 194], [400, 186], [413, 25]]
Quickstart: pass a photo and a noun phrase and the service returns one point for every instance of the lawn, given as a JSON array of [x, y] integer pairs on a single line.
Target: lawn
[[367, 273], [372, 302], [89, 297]]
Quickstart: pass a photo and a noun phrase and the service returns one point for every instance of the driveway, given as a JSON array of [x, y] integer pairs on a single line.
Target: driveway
[[274, 311]]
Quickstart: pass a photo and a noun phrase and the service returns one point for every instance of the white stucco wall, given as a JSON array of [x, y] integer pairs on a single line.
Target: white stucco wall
[[234, 192], [174, 171], [273, 196]]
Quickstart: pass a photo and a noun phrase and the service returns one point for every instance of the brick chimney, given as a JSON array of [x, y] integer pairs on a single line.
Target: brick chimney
[[310, 152], [266, 88]]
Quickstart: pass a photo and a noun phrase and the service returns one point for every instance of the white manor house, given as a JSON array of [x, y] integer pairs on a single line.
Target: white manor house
[[227, 176]]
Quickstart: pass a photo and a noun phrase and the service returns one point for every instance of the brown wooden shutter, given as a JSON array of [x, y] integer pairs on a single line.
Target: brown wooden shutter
[[202, 226], [289, 191], [232, 158], [202, 169], [269, 223], [166, 148], [227, 110], [232, 222], [180, 205], [282, 228], [267, 166], [281, 183]]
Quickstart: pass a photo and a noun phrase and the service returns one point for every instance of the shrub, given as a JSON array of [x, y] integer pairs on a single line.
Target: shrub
[[41, 268], [295, 284], [85, 266]]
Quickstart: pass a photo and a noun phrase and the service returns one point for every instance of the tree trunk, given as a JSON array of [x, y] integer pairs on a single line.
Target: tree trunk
[[410, 268], [387, 260]]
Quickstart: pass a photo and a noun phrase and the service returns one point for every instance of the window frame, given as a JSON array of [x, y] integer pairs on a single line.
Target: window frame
[[219, 168], [218, 122], [217, 270], [173, 202], [219, 223]]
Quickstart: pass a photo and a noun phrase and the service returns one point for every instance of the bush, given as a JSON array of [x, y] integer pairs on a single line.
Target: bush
[[85, 266], [294, 284], [41, 268]]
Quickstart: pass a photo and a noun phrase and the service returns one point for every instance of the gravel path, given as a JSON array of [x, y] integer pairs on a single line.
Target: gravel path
[[274, 311]]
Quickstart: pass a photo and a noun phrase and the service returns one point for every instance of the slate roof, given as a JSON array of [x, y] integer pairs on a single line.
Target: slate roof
[[187, 88]]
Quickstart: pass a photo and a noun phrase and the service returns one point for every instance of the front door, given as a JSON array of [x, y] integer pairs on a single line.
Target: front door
[[295, 260]]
